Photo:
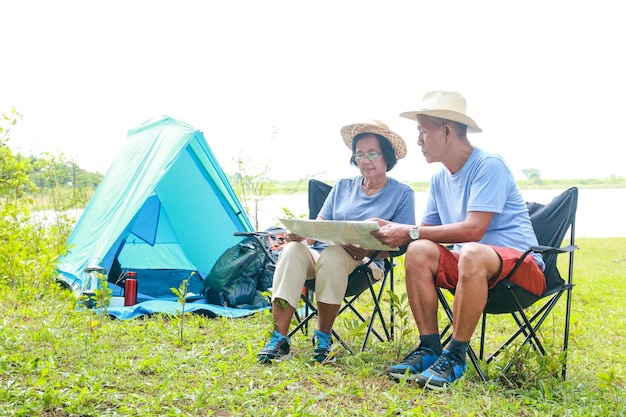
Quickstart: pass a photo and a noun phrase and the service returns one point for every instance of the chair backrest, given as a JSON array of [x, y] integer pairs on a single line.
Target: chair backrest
[[318, 191], [551, 223]]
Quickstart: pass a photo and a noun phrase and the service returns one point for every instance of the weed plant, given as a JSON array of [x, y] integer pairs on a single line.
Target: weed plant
[[60, 359]]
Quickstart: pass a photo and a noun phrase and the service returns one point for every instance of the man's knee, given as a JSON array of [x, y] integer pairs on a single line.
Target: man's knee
[[476, 257], [472, 250], [422, 254]]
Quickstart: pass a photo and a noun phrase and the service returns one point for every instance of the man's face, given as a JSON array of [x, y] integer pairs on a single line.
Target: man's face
[[431, 139]]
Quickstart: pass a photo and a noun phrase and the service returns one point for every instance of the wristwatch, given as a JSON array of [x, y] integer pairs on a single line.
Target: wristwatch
[[414, 233]]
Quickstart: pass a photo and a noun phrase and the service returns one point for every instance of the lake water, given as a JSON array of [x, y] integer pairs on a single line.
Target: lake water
[[598, 214]]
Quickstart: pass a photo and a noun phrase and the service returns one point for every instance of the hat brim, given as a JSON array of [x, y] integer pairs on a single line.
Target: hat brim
[[397, 143], [472, 127]]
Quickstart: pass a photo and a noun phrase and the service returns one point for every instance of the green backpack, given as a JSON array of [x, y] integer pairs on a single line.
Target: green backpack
[[233, 279]]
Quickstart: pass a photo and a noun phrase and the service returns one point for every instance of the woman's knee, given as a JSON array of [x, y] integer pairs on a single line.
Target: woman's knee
[[334, 252], [334, 259], [292, 248]]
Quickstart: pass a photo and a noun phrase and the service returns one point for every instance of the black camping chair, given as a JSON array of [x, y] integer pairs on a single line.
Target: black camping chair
[[551, 223], [318, 191]]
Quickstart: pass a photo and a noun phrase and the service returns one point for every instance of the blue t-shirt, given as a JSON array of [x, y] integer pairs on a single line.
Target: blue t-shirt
[[484, 183], [347, 201]]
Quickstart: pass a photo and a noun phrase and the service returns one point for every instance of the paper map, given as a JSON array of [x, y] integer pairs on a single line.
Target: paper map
[[336, 232]]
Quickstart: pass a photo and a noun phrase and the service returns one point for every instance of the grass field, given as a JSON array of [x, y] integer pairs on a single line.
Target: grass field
[[58, 361]]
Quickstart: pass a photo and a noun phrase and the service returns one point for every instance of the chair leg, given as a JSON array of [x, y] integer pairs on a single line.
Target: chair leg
[[377, 299], [303, 323], [483, 332], [391, 307], [377, 311], [568, 305], [566, 332], [310, 312], [528, 326], [446, 308], [344, 344], [348, 304]]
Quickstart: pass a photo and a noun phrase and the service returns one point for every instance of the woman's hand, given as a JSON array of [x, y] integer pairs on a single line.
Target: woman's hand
[[292, 237], [355, 251]]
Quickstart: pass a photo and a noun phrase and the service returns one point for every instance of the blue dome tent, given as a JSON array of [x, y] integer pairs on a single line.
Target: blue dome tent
[[165, 209]]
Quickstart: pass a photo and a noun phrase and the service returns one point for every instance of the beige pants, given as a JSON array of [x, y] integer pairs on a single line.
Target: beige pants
[[330, 269]]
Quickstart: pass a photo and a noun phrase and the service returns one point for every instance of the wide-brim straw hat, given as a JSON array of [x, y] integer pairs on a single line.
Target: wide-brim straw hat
[[378, 128], [445, 105]]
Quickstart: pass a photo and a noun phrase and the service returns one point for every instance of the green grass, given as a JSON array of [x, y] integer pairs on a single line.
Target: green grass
[[58, 361]]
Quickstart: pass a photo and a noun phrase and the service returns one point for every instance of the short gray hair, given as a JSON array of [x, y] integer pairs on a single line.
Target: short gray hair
[[460, 128]]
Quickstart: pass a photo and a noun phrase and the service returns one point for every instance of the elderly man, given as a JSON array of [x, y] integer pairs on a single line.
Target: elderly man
[[474, 203]]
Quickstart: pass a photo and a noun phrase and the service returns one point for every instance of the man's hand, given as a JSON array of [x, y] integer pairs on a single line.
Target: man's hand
[[392, 234]]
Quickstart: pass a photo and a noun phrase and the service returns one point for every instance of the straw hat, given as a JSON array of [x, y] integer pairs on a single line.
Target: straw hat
[[445, 105], [378, 128]]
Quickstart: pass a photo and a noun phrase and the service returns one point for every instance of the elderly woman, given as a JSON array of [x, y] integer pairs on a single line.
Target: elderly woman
[[375, 151]]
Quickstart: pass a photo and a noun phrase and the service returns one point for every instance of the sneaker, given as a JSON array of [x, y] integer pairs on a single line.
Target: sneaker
[[276, 350], [323, 343], [442, 373], [413, 364]]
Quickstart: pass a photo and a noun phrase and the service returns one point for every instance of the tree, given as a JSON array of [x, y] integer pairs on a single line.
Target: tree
[[252, 185], [14, 180], [27, 249], [533, 174], [252, 182]]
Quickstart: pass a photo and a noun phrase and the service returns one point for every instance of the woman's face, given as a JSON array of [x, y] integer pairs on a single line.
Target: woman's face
[[369, 157]]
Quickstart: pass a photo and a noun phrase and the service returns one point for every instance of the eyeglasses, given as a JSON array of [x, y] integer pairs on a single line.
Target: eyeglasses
[[372, 156]]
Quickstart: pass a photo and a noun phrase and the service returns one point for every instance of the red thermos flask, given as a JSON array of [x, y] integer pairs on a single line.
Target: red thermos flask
[[130, 289]]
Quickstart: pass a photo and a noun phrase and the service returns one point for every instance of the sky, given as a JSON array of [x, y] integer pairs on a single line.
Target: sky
[[272, 82]]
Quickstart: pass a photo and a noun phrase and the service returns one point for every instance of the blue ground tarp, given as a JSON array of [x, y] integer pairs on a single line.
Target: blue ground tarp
[[174, 307]]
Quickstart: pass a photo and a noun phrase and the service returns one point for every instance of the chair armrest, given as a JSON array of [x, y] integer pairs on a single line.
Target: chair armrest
[[549, 250], [396, 253]]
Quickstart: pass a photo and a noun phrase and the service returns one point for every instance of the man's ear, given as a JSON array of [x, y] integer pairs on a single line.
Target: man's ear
[[447, 131]]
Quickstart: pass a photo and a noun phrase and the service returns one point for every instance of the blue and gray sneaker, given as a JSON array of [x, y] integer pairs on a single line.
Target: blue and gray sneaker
[[414, 363], [276, 350], [442, 373], [323, 343]]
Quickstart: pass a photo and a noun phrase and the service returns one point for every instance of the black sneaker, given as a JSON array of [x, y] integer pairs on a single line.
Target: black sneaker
[[442, 373], [323, 343], [276, 350], [413, 364]]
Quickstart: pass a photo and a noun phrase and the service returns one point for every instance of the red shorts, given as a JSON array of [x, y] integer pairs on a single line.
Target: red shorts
[[528, 276]]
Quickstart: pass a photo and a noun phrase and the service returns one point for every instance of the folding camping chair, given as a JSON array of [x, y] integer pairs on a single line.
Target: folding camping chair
[[318, 191], [551, 223]]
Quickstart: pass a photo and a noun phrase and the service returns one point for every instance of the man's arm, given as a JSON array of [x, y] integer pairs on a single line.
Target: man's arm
[[472, 229]]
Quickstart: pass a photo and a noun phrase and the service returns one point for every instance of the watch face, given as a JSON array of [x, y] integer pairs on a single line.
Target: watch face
[[414, 233]]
